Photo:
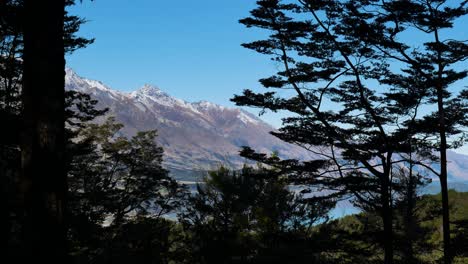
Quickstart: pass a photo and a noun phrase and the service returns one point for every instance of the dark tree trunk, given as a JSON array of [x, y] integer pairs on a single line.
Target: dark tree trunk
[[443, 154], [443, 181], [388, 234], [387, 217], [43, 181], [409, 228], [443, 169], [445, 210]]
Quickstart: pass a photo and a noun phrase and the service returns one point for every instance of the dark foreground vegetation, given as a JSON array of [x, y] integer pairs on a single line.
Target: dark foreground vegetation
[[379, 110]]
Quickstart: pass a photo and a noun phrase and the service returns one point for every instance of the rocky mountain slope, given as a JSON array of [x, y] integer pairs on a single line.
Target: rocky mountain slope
[[195, 136]]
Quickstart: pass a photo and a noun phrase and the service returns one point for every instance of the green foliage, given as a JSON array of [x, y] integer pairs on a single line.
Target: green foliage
[[359, 234], [142, 240], [116, 182], [122, 175], [250, 216]]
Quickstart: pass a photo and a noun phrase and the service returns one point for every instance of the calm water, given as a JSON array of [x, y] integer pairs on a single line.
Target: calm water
[[344, 208]]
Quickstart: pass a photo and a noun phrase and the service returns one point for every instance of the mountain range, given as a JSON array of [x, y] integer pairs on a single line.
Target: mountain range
[[197, 136], [200, 136]]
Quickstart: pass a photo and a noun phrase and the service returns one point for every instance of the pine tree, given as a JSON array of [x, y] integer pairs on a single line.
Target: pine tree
[[349, 106], [430, 66]]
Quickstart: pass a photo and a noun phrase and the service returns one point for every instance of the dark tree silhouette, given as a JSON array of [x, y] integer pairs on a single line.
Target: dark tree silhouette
[[429, 66], [307, 38], [43, 185], [118, 183], [356, 92], [116, 177], [148, 189], [40, 61], [410, 234], [250, 216]]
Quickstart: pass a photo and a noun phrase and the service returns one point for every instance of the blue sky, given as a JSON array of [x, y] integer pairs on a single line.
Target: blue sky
[[190, 49]]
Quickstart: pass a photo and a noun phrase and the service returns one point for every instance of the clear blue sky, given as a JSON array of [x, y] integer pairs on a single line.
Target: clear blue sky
[[190, 49]]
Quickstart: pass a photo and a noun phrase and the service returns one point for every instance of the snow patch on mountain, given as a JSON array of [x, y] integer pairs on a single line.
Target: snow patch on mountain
[[247, 117], [77, 83], [205, 105]]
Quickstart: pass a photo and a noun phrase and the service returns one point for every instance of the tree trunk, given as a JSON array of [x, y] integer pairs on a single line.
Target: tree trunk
[[445, 213], [409, 222], [443, 171], [388, 235], [443, 150], [387, 217], [42, 184]]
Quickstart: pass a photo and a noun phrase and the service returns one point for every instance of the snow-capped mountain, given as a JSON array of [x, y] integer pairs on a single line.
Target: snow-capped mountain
[[195, 136], [200, 136]]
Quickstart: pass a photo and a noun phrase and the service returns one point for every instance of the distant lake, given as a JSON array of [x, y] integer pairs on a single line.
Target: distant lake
[[344, 208]]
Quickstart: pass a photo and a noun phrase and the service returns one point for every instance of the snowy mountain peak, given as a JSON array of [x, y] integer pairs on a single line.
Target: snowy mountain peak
[[69, 73], [99, 85], [151, 90], [71, 76], [75, 82]]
